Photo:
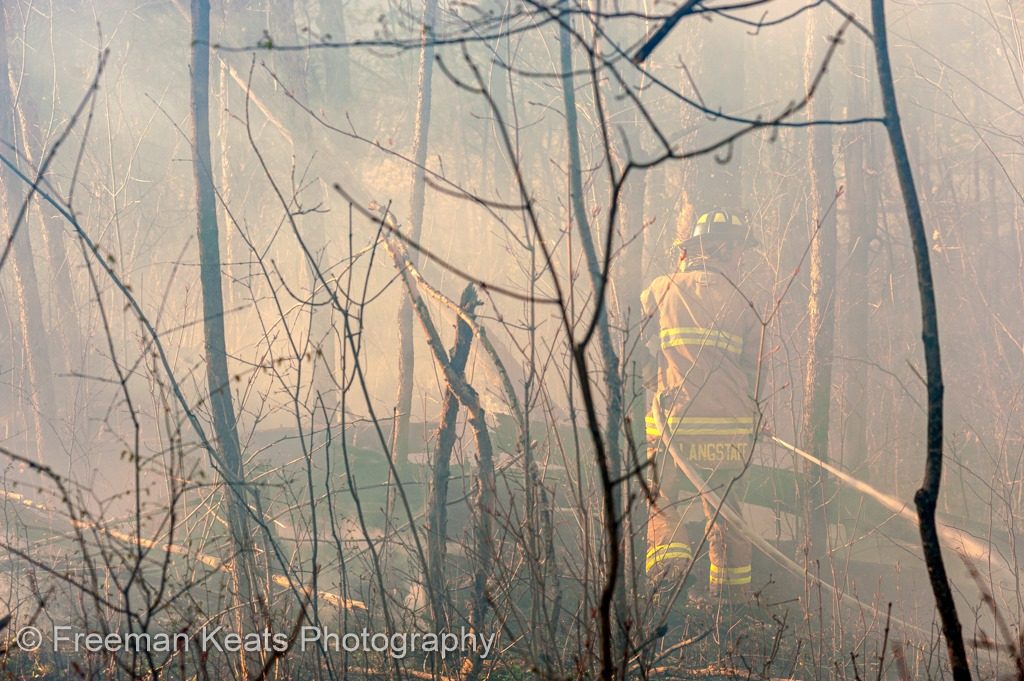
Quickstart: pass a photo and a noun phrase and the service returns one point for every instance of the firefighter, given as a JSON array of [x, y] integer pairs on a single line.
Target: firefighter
[[704, 334]]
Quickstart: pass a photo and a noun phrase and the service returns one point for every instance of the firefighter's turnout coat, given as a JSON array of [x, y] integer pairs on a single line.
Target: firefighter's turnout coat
[[705, 335]]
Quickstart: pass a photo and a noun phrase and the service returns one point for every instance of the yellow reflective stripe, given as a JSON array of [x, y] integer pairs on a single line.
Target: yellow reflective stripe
[[701, 331], [701, 342], [720, 581], [656, 554], [652, 428], [676, 545], [741, 569], [698, 335], [730, 576], [699, 425], [702, 420], [709, 338], [651, 562], [708, 341]]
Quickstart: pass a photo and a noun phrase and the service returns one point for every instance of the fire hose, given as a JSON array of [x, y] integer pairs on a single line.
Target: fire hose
[[736, 521], [966, 546]]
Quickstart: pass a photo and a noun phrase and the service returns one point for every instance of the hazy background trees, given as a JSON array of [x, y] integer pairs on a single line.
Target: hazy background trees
[[311, 103]]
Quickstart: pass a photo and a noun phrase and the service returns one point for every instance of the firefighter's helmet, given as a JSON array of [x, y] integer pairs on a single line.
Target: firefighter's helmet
[[718, 224]]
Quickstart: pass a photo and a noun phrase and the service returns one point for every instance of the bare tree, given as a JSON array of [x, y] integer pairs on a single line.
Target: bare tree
[[927, 497], [35, 353], [863, 210], [605, 151], [406, 354], [217, 376], [820, 303], [608, 442]]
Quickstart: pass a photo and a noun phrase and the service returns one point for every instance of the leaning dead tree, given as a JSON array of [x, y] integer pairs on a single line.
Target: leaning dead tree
[[437, 496], [458, 386]]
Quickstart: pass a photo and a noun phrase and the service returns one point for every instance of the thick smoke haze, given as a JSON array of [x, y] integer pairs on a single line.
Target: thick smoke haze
[[244, 388]]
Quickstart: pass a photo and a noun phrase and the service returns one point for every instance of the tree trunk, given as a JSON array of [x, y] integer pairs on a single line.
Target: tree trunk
[[483, 532], [64, 310], [34, 334], [333, 77], [233, 244], [217, 376], [821, 303], [607, 444], [470, 399], [862, 214], [406, 355], [437, 498], [627, 285], [296, 70], [927, 497], [500, 86]]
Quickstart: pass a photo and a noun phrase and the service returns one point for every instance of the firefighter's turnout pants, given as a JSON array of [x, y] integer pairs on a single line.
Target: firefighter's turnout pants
[[715, 448]]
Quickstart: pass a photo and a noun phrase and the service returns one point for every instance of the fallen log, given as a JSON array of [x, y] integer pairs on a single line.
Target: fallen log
[[207, 560]]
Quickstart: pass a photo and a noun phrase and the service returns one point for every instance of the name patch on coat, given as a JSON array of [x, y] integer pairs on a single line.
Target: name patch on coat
[[715, 451]]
